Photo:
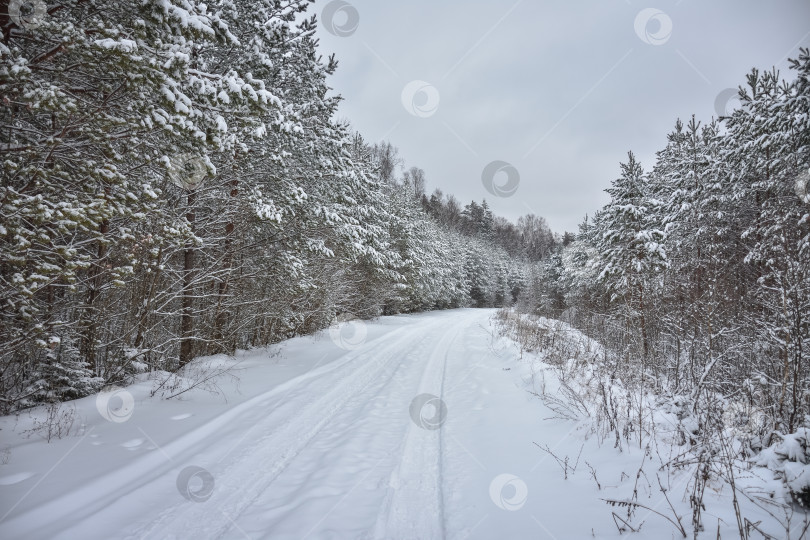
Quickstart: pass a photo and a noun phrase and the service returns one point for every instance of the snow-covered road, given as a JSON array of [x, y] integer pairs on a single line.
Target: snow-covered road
[[425, 430]]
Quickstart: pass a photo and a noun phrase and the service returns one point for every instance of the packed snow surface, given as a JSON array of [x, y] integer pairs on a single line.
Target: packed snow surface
[[407, 427]]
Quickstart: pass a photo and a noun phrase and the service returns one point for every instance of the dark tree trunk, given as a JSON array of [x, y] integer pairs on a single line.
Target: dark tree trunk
[[187, 315], [90, 331]]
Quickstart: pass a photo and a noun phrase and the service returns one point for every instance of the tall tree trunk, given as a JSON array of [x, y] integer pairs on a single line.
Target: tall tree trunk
[[220, 320], [90, 325], [187, 299], [644, 342]]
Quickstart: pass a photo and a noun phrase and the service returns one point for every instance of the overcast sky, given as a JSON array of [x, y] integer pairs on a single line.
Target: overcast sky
[[561, 89]]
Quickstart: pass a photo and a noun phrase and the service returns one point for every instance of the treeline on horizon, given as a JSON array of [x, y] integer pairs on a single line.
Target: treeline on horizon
[[175, 184]]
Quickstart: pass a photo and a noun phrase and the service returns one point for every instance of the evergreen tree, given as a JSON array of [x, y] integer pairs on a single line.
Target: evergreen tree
[[629, 245]]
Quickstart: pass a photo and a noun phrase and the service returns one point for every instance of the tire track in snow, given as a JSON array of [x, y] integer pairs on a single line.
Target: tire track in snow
[[260, 462], [414, 504], [94, 497]]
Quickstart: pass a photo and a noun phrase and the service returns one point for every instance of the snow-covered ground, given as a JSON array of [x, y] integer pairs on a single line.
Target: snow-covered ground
[[408, 427]]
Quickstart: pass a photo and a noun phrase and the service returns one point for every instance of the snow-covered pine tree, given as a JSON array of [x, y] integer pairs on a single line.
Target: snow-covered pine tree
[[629, 246], [768, 149]]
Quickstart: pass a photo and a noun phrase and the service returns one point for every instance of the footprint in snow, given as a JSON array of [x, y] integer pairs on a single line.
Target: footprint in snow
[[15, 478], [181, 416]]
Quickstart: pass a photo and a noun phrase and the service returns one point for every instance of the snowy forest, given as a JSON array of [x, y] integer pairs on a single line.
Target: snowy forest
[[695, 282], [175, 184], [196, 195], [697, 272]]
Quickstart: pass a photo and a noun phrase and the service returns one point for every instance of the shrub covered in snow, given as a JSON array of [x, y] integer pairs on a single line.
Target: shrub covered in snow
[[789, 459]]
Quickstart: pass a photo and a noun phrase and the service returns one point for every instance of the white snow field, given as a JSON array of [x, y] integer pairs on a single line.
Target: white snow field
[[331, 437]]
